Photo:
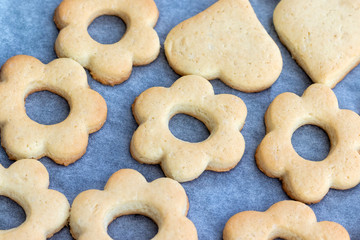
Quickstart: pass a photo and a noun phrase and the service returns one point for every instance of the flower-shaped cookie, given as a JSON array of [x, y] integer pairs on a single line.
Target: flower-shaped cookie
[[47, 211], [304, 180], [285, 220], [108, 63], [153, 143], [127, 192], [64, 142]]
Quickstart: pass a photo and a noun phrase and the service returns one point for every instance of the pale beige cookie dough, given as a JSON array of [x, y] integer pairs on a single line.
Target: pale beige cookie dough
[[225, 41], [153, 143], [323, 36], [108, 63], [47, 211], [304, 180], [127, 192], [285, 220], [64, 142]]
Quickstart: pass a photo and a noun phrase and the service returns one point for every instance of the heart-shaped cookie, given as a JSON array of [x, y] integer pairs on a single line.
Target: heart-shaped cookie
[[323, 36], [225, 41]]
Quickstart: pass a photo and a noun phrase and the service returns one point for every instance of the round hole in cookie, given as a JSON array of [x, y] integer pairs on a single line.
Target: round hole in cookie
[[311, 142], [132, 227], [12, 212], [46, 108], [188, 128], [107, 29]]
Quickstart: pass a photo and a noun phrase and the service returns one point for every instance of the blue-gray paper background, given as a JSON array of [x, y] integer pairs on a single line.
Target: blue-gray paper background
[[27, 27]]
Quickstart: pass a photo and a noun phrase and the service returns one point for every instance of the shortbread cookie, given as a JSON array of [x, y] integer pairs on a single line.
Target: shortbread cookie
[[323, 36], [304, 180], [127, 192], [153, 143], [64, 142], [285, 220], [47, 211], [225, 41], [108, 63]]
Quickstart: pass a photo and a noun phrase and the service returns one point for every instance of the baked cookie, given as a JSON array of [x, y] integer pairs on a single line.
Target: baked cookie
[[304, 180], [47, 211], [64, 142], [108, 63], [225, 41], [285, 220], [127, 192], [223, 114], [323, 36]]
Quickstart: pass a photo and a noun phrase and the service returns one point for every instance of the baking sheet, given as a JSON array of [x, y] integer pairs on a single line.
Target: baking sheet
[[26, 27]]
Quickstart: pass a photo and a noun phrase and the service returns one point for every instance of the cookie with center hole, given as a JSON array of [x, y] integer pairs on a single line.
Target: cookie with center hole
[[108, 63], [127, 192], [305, 180], [64, 142], [285, 220], [47, 211], [223, 114]]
